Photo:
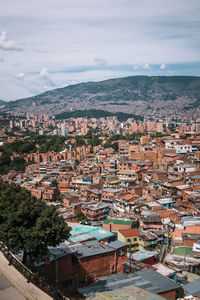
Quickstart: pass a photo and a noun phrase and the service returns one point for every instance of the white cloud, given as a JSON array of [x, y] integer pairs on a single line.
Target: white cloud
[[146, 67], [9, 45], [45, 76], [141, 66], [20, 75], [131, 37], [162, 66], [99, 61]]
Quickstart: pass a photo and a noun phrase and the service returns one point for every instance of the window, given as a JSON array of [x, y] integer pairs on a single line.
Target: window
[[67, 283], [128, 240], [121, 253], [135, 239]]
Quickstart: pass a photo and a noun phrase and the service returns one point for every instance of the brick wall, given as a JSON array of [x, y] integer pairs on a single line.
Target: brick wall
[[171, 295], [149, 261], [83, 271], [116, 227], [189, 242]]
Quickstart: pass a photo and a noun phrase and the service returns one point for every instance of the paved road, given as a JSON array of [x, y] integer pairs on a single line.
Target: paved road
[[8, 291]]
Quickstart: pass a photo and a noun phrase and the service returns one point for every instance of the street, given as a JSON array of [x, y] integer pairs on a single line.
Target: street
[[8, 291]]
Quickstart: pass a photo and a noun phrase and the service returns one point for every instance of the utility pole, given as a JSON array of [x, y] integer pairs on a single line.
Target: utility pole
[[184, 260], [167, 236], [130, 254]]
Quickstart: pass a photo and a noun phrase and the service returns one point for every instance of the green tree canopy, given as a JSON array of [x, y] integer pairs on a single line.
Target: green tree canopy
[[81, 217], [29, 224], [44, 142], [18, 164]]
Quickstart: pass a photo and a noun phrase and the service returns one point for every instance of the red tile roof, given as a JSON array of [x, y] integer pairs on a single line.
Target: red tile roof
[[130, 232]]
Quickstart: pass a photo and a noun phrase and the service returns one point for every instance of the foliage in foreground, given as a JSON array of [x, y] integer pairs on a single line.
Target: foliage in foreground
[[28, 224]]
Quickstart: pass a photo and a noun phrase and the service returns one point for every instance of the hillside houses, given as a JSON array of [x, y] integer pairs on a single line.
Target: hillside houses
[[141, 197]]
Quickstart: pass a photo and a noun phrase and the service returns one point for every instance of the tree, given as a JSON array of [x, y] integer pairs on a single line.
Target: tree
[[18, 164], [94, 141], [172, 127], [4, 163], [79, 141], [115, 145], [174, 192], [180, 293], [81, 217], [60, 198], [29, 224]]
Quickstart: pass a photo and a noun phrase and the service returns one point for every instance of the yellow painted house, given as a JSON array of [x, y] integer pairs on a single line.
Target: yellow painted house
[[134, 239]]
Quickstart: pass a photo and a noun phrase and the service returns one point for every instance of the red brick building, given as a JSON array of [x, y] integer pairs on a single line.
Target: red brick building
[[114, 225], [76, 265]]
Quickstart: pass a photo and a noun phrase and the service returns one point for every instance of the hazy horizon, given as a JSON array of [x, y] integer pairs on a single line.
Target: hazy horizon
[[96, 81]]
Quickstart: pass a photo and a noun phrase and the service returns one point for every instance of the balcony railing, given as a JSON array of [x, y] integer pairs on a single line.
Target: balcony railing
[[30, 276]]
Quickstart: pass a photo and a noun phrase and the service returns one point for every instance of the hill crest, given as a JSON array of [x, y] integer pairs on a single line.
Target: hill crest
[[141, 95]]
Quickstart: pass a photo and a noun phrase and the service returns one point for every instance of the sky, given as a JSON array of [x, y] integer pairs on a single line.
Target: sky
[[48, 44]]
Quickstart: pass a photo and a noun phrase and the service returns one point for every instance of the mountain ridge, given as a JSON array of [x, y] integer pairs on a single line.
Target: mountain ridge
[[132, 94]]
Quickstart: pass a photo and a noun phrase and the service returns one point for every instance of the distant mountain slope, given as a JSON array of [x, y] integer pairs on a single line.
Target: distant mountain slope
[[2, 101], [135, 94]]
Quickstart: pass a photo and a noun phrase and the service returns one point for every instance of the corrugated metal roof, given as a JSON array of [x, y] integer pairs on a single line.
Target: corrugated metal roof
[[192, 288], [148, 279], [82, 233], [130, 292], [93, 247], [142, 255]]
